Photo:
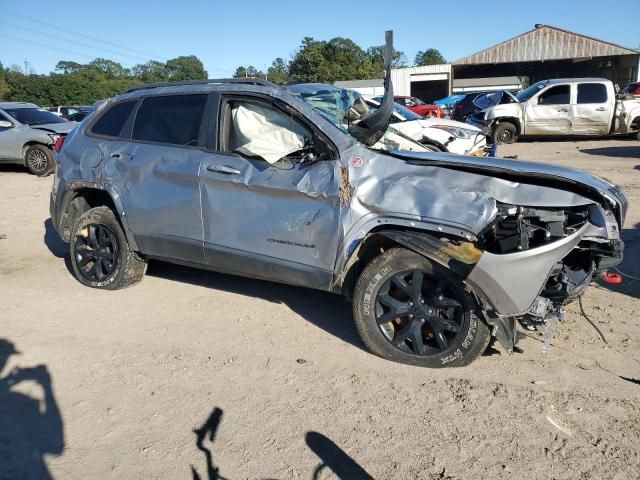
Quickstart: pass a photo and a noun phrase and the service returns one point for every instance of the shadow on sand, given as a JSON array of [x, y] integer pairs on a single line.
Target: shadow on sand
[[29, 427], [629, 151], [331, 456], [325, 310]]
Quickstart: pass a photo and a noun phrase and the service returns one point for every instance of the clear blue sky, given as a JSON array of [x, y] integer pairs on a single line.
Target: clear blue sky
[[250, 32]]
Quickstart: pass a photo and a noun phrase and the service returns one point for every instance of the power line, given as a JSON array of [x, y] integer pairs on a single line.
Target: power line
[[89, 37], [51, 35], [42, 45]]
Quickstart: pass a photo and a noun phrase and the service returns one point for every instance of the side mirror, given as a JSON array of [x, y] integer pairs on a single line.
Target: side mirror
[[6, 124]]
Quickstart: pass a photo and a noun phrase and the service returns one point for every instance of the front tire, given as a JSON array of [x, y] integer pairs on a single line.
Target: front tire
[[505, 133], [411, 310], [100, 254], [39, 160]]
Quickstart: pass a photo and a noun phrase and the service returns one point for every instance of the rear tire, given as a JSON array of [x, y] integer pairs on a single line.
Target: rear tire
[[412, 310], [505, 133], [39, 160], [100, 254]]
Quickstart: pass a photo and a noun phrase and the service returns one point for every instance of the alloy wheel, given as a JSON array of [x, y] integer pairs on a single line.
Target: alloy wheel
[[37, 160], [96, 252], [419, 313]]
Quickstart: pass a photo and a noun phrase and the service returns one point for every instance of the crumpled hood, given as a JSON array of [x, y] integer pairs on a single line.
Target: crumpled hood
[[62, 128], [431, 122], [543, 174]]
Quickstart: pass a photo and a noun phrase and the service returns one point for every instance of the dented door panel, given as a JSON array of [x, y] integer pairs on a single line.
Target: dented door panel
[[284, 212], [161, 196]]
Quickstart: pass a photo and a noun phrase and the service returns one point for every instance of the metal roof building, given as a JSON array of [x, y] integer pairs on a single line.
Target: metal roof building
[[541, 53], [551, 52]]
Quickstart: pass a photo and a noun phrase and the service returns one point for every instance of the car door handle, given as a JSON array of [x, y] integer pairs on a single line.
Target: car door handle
[[120, 155], [600, 109], [224, 169], [562, 110]]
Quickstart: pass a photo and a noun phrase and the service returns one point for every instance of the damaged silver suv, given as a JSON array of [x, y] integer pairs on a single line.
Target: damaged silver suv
[[302, 184]]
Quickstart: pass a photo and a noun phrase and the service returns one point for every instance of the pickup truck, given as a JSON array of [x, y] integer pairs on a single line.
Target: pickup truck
[[564, 106]]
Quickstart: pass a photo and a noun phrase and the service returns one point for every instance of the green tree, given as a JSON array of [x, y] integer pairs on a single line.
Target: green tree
[[185, 68], [338, 59], [66, 66], [109, 68], [278, 72], [150, 72], [430, 56], [4, 86], [376, 55], [241, 72]]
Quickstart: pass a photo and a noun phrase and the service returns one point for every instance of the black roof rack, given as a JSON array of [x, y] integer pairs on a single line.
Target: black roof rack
[[250, 81]]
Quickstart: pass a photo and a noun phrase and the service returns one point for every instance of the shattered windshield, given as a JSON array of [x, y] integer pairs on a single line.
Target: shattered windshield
[[527, 93], [344, 107]]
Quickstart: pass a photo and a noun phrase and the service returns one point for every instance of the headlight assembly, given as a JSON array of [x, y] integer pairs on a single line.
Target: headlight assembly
[[457, 132]]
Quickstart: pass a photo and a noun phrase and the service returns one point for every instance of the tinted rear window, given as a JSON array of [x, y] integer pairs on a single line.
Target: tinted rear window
[[173, 119], [113, 120], [592, 93]]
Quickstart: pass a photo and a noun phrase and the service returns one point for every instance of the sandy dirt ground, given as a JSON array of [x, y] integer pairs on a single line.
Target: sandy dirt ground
[[276, 381]]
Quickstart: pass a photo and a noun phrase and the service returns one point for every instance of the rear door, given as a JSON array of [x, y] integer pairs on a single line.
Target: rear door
[[269, 211], [592, 110], [156, 170], [549, 112]]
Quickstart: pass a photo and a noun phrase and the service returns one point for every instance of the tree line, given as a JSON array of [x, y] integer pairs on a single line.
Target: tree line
[[336, 59], [75, 83]]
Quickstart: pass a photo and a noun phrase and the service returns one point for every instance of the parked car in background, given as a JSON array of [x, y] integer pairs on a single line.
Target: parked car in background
[[27, 135], [65, 111], [437, 134], [418, 106], [631, 89], [564, 106], [463, 107], [307, 185], [80, 115]]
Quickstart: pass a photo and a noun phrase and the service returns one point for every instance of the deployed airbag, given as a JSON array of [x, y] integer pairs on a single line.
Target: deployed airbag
[[260, 131]]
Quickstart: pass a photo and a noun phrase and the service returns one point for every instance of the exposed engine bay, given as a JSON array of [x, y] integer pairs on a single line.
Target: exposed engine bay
[[517, 229]]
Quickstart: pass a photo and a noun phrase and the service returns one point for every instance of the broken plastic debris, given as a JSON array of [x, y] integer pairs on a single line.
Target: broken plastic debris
[[549, 332]]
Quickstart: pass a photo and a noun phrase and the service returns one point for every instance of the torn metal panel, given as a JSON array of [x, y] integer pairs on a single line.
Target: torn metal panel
[[513, 281]]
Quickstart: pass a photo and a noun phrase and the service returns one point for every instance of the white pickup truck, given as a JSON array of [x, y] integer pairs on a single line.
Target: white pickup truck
[[565, 106]]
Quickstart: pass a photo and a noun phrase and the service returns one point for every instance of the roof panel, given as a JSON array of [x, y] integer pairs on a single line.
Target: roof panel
[[545, 43]]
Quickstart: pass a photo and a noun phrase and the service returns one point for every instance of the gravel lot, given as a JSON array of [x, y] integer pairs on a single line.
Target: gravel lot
[[281, 377]]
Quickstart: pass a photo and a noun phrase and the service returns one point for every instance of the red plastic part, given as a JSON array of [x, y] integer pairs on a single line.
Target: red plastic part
[[611, 277], [58, 144]]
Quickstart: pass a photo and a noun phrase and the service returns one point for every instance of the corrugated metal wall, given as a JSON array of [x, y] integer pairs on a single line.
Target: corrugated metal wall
[[401, 77], [544, 43]]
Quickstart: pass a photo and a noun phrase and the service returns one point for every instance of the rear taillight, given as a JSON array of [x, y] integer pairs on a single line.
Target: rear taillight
[[57, 145]]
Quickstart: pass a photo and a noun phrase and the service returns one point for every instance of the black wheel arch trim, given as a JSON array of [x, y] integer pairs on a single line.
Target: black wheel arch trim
[[70, 200], [460, 256]]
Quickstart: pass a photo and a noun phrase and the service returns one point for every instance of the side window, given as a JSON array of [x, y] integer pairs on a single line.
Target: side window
[[401, 101], [559, 95], [172, 119], [592, 93], [112, 121], [260, 130]]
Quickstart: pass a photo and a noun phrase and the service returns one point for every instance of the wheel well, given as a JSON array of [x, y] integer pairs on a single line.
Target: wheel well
[[512, 120], [444, 249], [83, 200], [372, 246], [30, 143]]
